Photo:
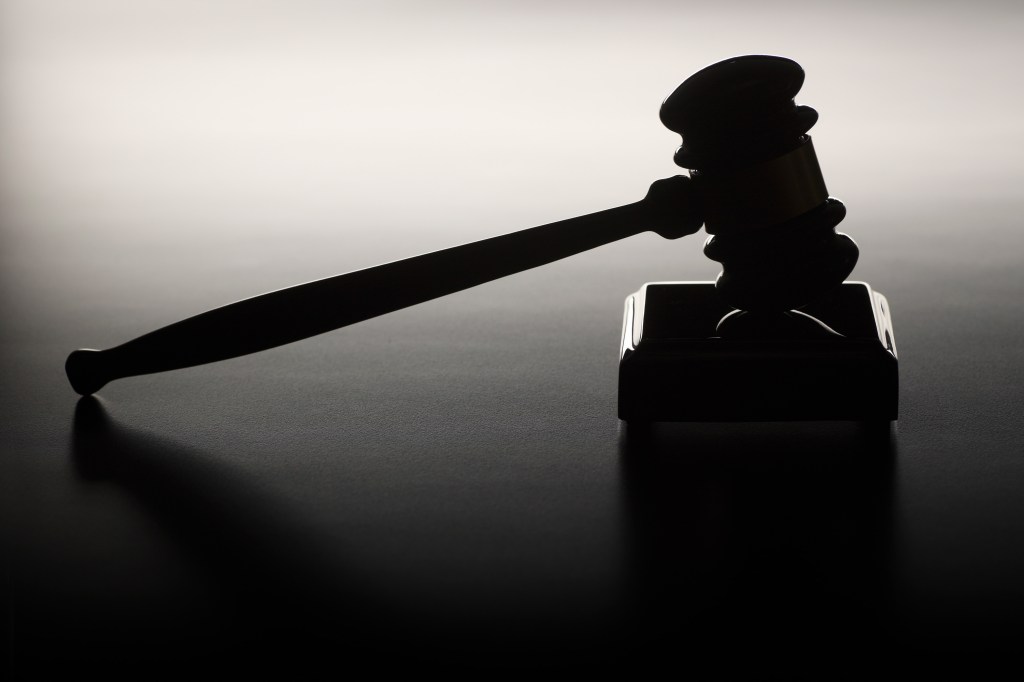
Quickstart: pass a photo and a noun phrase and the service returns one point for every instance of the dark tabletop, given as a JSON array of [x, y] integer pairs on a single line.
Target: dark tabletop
[[449, 485]]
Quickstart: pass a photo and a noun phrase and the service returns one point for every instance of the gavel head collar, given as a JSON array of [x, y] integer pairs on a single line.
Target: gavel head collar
[[763, 198]]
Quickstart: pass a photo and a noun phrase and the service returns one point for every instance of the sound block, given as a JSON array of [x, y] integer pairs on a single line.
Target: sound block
[[675, 365]]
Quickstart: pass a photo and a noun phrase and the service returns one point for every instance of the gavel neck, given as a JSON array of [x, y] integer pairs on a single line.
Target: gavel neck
[[671, 208], [763, 194]]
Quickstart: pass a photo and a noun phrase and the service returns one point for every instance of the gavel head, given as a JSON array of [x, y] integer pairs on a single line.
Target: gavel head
[[771, 221]]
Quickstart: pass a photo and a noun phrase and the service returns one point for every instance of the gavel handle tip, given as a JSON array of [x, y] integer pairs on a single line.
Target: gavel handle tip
[[84, 371]]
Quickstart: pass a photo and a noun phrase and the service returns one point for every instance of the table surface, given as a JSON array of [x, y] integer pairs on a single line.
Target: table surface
[[449, 485]]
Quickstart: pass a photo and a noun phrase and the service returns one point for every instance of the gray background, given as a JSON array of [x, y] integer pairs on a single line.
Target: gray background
[[450, 484]]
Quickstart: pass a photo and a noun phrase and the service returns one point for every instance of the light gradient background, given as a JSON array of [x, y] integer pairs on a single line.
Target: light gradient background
[[161, 158]]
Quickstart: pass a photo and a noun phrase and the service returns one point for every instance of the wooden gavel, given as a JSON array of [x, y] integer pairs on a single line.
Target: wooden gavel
[[755, 184]]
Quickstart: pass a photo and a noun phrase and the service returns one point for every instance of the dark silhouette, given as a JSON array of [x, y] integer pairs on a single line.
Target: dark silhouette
[[685, 354], [793, 365], [756, 185], [762, 193], [299, 312]]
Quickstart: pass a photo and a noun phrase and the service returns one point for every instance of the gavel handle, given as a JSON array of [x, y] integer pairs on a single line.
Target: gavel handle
[[298, 312]]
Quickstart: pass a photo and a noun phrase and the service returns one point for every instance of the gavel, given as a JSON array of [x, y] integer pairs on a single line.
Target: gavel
[[754, 183]]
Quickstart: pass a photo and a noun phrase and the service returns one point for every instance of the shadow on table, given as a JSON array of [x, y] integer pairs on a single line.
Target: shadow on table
[[747, 547], [759, 549], [266, 598]]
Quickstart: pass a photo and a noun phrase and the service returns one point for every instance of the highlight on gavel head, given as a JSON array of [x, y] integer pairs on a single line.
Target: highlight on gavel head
[[753, 166]]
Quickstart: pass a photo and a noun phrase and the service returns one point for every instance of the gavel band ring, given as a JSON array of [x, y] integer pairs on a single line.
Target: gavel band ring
[[764, 194]]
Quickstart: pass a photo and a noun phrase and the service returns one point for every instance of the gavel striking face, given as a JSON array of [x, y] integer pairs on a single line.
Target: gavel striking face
[[755, 184]]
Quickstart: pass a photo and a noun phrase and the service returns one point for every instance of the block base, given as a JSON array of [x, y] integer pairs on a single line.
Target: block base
[[675, 366]]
